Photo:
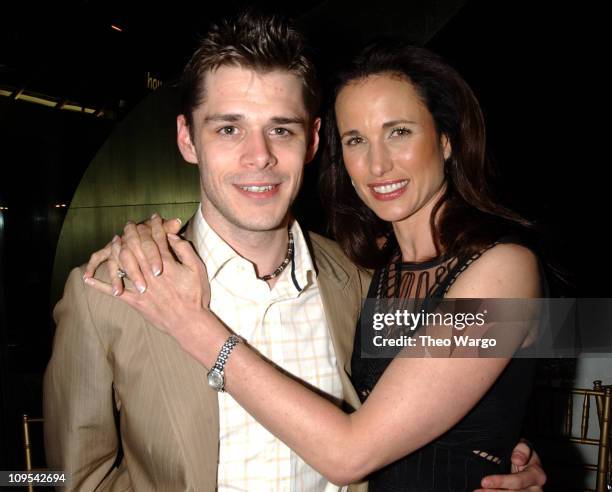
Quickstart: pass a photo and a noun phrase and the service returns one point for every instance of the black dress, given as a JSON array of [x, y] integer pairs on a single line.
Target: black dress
[[482, 442]]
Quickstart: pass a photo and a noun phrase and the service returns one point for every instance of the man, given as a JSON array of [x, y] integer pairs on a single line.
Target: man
[[124, 405]]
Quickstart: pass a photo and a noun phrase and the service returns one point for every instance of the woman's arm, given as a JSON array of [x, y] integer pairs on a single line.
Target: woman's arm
[[415, 401]]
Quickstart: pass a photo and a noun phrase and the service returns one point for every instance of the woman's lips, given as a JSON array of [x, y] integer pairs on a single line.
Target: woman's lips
[[389, 190]]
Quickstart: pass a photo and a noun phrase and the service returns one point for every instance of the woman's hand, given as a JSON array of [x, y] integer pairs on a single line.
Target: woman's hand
[[175, 299], [136, 251]]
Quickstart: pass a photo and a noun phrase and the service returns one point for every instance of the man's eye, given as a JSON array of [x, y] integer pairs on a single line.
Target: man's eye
[[228, 130], [281, 132]]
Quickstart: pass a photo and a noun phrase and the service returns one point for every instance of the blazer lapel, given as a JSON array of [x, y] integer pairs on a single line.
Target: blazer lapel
[[192, 405], [341, 294], [341, 298]]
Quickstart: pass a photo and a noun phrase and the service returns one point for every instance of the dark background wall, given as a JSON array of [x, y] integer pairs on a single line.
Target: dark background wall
[[531, 65]]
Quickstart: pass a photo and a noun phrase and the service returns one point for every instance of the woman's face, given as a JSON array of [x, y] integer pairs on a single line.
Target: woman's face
[[390, 146]]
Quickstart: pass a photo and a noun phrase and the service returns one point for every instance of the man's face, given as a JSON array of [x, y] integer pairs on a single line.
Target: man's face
[[252, 136]]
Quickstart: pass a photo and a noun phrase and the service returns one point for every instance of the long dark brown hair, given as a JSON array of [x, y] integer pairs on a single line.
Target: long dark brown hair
[[471, 219]]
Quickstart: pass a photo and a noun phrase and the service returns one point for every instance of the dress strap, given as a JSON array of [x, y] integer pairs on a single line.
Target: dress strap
[[462, 266]]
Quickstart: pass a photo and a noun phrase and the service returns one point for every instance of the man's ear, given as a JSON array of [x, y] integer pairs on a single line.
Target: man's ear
[[313, 143], [183, 140]]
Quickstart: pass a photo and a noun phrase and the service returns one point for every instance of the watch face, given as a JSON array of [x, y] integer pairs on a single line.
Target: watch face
[[215, 379]]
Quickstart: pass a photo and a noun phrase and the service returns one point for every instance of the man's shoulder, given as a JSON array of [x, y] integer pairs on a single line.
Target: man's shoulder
[[75, 283], [328, 256], [323, 247], [324, 243], [90, 304]]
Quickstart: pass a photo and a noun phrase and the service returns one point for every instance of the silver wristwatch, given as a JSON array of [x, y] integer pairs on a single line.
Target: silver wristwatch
[[216, 378]]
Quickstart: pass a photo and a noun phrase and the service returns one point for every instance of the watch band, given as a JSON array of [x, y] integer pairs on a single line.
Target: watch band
[[216, 377]]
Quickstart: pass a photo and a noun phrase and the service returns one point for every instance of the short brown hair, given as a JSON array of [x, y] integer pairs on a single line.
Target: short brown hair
[[255, 41]]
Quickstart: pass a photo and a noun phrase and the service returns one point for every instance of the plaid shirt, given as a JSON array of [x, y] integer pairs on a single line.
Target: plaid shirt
[[287, 325]]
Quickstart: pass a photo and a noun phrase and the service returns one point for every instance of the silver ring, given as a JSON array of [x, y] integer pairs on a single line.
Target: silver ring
[[121, 273]]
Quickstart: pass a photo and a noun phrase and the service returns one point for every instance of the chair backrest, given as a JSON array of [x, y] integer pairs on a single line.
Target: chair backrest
[[564, 416], [604, 415], [27, 444]]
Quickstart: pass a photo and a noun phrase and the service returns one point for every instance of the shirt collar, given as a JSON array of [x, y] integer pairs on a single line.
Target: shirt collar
[[302, 263], [216, 254], [213, 250]]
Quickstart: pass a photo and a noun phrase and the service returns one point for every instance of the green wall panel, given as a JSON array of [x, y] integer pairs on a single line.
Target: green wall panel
[[137, 171]]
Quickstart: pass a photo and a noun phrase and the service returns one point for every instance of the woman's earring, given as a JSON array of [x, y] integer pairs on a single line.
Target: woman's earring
[[353, 182]]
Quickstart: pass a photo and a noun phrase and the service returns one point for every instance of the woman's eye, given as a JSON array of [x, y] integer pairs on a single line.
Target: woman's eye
[[400, 132], [353, 141]]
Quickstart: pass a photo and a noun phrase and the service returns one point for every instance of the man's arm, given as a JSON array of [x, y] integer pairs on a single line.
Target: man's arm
[[80, 432]]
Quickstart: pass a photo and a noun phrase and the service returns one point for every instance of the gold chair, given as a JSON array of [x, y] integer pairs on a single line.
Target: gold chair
[[27, 445], [604, 414], [575, 405]]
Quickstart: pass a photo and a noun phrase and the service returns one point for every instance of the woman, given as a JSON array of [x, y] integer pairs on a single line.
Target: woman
[[407, 179]]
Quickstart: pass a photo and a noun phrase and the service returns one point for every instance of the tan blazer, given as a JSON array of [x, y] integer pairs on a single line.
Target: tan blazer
[[111, 370]]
